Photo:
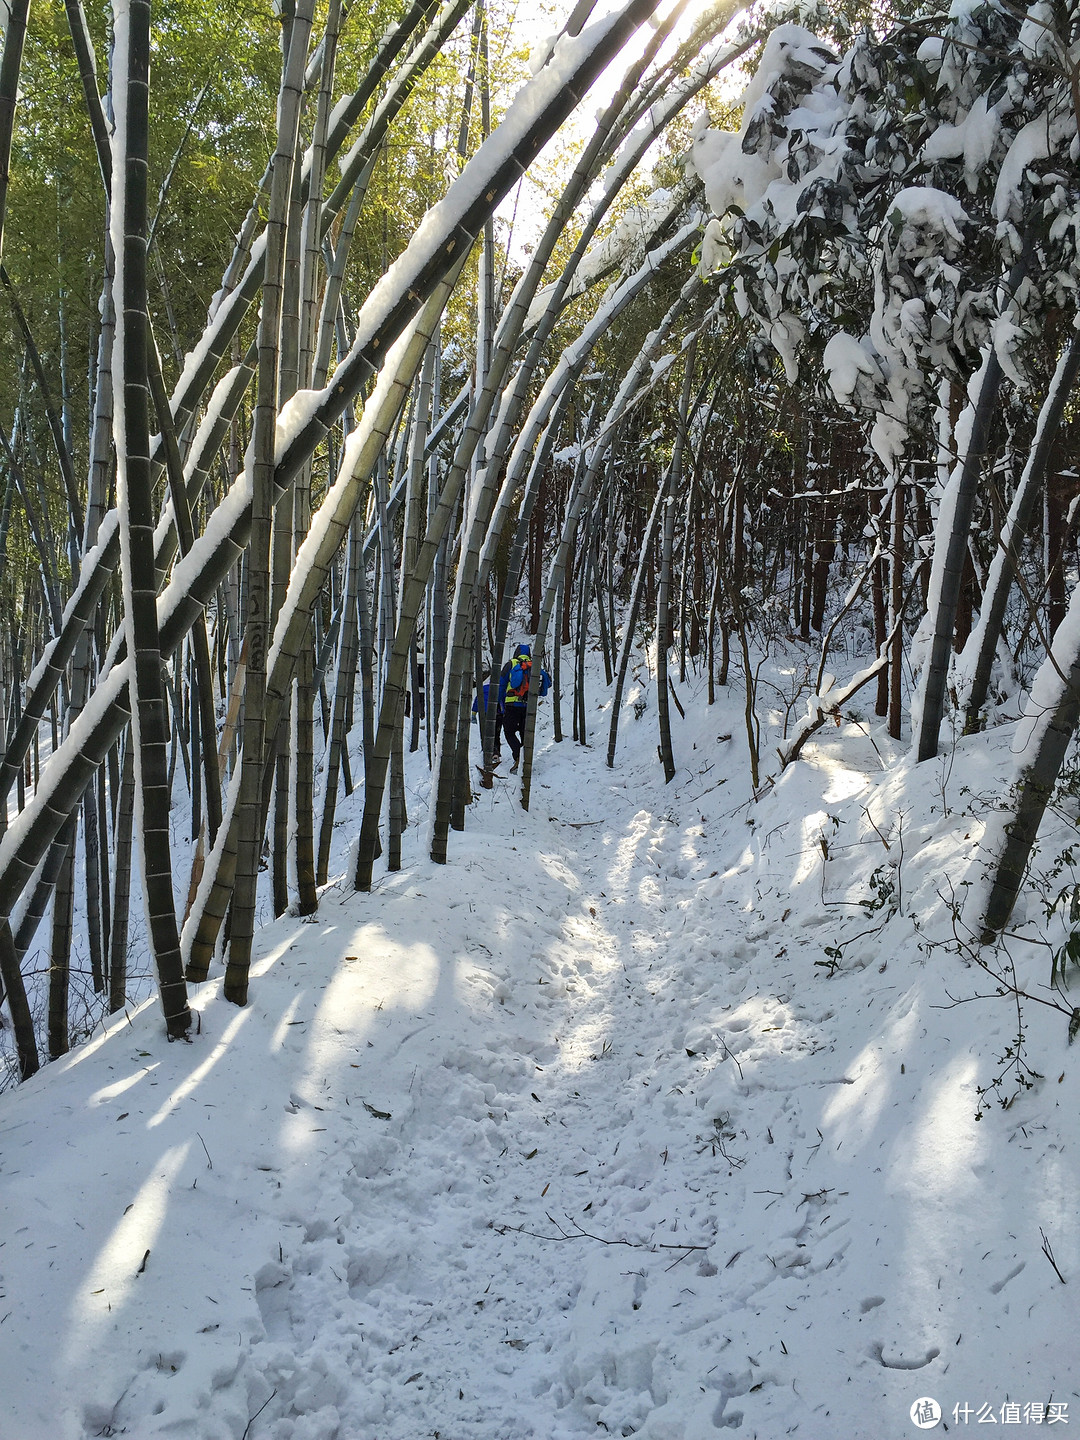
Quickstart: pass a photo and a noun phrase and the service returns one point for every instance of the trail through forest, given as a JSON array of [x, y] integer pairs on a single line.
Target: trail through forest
[[740, 1101], [577, 1134]]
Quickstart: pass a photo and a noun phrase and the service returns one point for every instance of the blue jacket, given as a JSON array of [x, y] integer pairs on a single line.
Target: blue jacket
[[476, 701], [512, 675]]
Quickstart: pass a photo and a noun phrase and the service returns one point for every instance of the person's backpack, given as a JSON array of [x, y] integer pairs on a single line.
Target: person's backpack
[[517, 683]]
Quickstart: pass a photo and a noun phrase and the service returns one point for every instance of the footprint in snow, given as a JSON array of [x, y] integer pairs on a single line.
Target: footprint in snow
[[901, 1362], [999, 1285]]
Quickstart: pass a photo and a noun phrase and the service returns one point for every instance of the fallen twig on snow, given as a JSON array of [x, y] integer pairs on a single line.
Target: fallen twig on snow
[[1048, 1252], [577, 1233]]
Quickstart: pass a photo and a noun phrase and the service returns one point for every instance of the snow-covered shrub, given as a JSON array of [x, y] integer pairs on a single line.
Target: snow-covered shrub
[[888, 213]]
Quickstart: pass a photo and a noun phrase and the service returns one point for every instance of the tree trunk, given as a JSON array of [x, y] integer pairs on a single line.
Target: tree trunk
[[1046, 730], [982, 646], [672, 481], [950, 554], [896, 609], [136, 510], [344, 682], [121, 905], [249, 808]]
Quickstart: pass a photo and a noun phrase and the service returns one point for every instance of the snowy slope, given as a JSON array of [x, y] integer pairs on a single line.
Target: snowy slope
[[583, 1133]]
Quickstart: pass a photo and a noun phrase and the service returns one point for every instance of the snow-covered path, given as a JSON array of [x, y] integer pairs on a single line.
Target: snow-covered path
[[571, 1136]]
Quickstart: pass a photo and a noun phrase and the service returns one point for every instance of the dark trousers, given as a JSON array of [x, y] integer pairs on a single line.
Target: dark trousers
[[514, 728]]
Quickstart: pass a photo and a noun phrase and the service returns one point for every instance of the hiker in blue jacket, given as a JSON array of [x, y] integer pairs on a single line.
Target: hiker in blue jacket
[[514, 697]]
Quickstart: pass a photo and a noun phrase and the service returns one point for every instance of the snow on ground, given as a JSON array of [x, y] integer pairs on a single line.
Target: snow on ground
[[650, 1114]]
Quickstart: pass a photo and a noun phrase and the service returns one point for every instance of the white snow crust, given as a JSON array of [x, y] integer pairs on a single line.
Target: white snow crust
[[577, 1134]]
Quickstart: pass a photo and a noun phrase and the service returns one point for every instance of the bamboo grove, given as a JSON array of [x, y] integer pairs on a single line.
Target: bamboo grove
[[321, 477]]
